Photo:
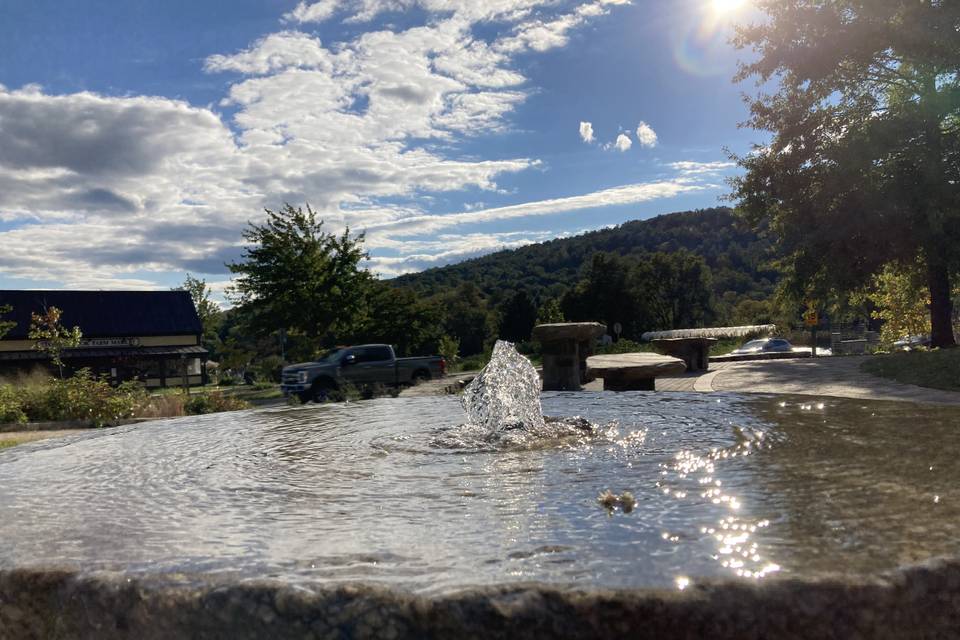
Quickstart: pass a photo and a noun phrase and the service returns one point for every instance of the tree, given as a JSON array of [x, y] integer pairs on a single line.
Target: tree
[[901, 302], [211, 317], [468, 319], [550, 312], [604, 294], [297, 277], [864, 163], [401, 318], [675, 290], [51, 336], [5, 326], [517, 317]]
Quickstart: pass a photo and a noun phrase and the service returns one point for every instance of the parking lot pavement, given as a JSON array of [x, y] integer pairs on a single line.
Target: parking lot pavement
[[836, 376]]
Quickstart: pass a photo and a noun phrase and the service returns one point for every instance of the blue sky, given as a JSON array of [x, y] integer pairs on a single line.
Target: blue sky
[[138, 138]]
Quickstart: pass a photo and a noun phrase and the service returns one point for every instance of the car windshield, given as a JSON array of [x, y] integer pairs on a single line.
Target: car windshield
[[754, 344], [331, 356]]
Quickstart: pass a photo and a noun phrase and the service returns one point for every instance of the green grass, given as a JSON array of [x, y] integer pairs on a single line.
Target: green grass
[[939, 369], [726, 345], [6, 444]]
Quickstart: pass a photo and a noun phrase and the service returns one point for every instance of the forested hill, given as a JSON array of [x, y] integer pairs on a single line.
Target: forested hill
[[737, 258]]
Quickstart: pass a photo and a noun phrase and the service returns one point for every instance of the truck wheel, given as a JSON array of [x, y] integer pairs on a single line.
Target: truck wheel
[[320, 391], [420, 376]]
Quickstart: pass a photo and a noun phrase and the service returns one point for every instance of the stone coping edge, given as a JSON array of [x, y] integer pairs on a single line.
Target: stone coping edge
[[915, 602]]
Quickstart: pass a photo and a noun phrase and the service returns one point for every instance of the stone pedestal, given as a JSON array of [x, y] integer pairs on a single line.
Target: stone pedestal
[[695, 352], [566, 347]]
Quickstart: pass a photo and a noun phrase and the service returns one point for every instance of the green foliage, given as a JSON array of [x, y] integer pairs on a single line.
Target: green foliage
[[449, 348], [399, 317], [517, 317], [214, 402], [468, 319], [5, 326], [11, 406], [738, 258], [937, 369], [51, 336], [269, 368], [81, 397], [624, 346], [862, 167], [295, 276], [643, 293], [901, 301], [474, 362], [211, 317], [550, 312]]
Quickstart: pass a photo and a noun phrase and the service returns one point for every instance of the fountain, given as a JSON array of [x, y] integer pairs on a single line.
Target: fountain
[[684, 515]]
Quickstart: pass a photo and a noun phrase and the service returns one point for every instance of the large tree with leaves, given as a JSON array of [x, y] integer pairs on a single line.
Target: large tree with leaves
[[864, 163], [211, 317], [297, 277]]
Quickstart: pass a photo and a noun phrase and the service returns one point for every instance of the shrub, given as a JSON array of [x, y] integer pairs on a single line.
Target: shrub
[[269, 368], [81, 397], [10, 410], [624, 345], [214, 402]]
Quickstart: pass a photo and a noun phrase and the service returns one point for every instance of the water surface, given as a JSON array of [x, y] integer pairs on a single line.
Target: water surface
[[726, 485]]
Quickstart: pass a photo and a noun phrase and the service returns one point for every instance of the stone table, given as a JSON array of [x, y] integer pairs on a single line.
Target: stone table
[[566, 347], [694, 351], [633, 371]]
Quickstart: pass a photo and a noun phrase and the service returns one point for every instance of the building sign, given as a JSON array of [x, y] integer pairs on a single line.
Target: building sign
[[93, 343]]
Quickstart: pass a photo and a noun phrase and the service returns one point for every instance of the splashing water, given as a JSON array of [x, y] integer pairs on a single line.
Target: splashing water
[[505, 395], [503, 408]]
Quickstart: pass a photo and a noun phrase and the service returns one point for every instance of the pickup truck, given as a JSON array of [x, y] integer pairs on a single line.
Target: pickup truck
[[362, 366]]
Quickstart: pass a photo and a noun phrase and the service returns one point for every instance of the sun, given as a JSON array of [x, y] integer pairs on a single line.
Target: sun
[[723, 7]]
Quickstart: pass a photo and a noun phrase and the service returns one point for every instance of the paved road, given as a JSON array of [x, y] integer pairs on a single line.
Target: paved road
[[840, 377]]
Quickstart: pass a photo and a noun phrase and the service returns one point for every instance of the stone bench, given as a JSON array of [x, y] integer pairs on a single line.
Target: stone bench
[[566, 347], [694, 351], [633, 371]]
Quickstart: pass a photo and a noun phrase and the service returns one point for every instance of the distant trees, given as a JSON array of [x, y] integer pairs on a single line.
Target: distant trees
[[211, 317], [642, 293], [518, 315], [739, 259], [399, 317], [295, 276], [864, 165]]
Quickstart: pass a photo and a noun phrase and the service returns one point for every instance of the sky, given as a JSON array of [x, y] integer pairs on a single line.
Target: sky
[[138, 139]]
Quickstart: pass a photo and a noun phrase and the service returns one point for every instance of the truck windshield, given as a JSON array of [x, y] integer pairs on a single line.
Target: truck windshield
[[331, 356]]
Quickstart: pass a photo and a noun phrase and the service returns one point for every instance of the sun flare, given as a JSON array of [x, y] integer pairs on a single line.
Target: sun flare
[[722, 7]]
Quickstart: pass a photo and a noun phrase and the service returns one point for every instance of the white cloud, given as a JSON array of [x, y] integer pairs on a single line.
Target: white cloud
[[586, 132], [103, 190], [275, 52], [690, 168], [627, 194], [315, 12], [646, 136], [623, 143]]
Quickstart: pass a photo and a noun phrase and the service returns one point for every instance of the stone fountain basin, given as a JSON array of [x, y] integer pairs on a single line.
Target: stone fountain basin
[[917, 602], [350, 521]]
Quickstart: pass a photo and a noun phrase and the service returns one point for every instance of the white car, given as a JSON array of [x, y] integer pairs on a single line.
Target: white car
[[764, 345]]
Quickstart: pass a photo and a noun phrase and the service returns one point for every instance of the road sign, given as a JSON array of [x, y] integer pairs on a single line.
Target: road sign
[[811, 319]]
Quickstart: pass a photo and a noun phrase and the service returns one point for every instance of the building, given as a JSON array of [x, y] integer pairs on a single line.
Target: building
[[151, 336]]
